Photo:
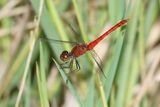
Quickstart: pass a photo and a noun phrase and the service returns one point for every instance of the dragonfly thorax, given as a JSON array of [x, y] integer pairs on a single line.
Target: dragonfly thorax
[[65, 56]]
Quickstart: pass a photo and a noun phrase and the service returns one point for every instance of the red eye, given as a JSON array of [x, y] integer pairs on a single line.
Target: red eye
[[64, 56]]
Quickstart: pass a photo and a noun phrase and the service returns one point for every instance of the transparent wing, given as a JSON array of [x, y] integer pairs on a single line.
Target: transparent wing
[[77, 33], [98, 61], [70, 26], [57, 41]]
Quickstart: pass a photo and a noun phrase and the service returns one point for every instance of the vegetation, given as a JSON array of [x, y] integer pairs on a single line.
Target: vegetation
[[31, 73]]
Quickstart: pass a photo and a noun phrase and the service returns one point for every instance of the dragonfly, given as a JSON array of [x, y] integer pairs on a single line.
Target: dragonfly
[[69, 57]]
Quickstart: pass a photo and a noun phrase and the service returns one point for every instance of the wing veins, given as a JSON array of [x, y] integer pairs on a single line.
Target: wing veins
[[98, 64], [54, 40]]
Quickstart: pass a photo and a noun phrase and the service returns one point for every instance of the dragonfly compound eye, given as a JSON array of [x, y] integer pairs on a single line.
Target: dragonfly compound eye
[[64, 56]]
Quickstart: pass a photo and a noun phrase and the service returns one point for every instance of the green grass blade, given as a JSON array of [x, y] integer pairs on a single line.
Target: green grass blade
[[48, 26], [69, 84], [125, 60], [80, 20], [27, 92], [39, 85], [43, 76], [14, 68], [133, 77], [116, 10], [112, 68], [113, 65], [150, 16], [91, 93], [58, 23]]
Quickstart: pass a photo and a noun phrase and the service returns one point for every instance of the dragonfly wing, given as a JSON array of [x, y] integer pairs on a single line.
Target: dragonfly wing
[[98, 61], [97, 56], [54, 40], [71, 27], [77, 66], [77, 33]]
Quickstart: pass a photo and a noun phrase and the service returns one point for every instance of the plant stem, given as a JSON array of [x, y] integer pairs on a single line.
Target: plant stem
[[102, 93]]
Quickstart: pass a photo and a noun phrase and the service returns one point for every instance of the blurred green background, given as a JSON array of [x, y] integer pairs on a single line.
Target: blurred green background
[[30, 74]]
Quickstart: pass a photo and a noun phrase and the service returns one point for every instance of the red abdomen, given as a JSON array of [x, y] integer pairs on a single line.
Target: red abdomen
[[79, 50]]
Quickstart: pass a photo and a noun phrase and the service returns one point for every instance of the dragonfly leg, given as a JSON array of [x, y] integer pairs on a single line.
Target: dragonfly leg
[[64, 65], [70, 65], [77, 65]]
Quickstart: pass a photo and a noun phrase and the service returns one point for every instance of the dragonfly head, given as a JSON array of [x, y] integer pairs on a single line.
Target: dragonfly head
[[64, 56]]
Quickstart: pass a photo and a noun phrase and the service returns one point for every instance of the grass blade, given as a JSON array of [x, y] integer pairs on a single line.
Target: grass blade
[[114, 65], [69, 84]]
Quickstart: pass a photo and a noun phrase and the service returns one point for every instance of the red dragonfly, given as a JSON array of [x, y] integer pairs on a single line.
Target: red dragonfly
[[81, 48]]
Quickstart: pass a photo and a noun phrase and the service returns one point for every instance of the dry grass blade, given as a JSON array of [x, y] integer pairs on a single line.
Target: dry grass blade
[[130, 59], [102, 93], [15, 12], [149, 79], [33, 38]]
